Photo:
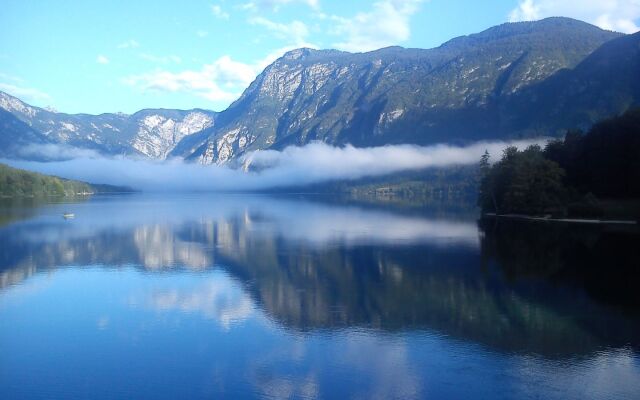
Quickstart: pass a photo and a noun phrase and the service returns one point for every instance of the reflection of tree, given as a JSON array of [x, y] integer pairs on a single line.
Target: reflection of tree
[[587, 273], [603, 260]]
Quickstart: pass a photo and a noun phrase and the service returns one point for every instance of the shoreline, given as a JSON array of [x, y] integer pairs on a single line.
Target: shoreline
[[565, 220]]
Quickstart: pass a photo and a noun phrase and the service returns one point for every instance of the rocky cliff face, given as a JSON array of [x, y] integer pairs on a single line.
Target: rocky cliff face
[[453, 93], [151, 133]]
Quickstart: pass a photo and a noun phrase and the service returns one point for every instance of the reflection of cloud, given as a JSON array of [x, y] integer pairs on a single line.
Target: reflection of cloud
[[381, 364], [320, 225], [390, 370], [218, 298], [103, 322], [288, 387]]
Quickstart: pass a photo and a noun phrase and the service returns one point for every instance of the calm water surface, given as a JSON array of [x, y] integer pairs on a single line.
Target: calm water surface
[[262, 297]]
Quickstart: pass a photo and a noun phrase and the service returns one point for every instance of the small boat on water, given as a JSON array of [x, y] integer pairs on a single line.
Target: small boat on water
[[68, 215]]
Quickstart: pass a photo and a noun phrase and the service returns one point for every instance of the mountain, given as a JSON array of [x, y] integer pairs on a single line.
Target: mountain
[[515, 80], [604, 84], [151, 133], [456, 93], [16, 135]]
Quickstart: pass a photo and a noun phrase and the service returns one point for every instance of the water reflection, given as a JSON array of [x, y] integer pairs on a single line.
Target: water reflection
[[391, 296], [311, 265], [218, 298]]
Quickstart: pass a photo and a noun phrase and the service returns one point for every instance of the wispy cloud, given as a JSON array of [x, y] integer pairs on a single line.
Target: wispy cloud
[[222, 80], [275, 5], [24, 93], [202, 33], [618, 15], [386, 24], [102, 59], [313, 163], [295, 31], [11, 78], [129, 44], [218, 12]]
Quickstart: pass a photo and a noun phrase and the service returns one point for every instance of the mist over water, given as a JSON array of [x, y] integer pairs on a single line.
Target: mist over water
[[293, 166]]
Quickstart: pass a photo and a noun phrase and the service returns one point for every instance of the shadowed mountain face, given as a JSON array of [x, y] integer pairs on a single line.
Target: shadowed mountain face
[[456, 93], [16, 135], [314, 266], [604, 84]]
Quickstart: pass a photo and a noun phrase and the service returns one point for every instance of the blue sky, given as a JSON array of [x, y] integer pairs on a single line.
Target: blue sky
[[107, 56]]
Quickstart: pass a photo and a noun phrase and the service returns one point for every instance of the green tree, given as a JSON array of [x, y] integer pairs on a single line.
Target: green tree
[[522, 182]]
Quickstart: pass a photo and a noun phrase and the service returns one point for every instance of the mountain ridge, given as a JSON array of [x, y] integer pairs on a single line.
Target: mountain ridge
[[395, 95], [148, 132], [496, 84]]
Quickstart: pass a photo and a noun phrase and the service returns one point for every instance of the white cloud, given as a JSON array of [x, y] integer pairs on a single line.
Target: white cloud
[[102, 59], [202, 33], [24, 93], [317, 162], [218, 12], [8, 77], [618, 15], [313, 163], [129, 44], [386, 24], [222, 80], [296, 31]]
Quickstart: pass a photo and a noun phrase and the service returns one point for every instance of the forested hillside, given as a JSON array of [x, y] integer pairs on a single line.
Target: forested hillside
[[20, 183]]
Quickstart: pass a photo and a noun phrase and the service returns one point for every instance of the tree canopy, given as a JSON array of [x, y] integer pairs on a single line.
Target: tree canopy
[[605, 163]]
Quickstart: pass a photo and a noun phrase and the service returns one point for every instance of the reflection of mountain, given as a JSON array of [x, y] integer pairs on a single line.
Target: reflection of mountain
[[312, 266]]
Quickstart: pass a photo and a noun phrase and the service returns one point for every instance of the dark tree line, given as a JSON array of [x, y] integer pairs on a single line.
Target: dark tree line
[[20, 183], [569, 175]]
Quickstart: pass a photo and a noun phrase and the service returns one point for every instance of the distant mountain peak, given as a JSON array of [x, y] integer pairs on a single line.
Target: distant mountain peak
[[152, 133], [297, 54], [14, 105]]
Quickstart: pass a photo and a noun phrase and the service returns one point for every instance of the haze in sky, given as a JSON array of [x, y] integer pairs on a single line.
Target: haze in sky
[[107, 56]]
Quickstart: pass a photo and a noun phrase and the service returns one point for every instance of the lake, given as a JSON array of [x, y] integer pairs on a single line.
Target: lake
[[255, 296]]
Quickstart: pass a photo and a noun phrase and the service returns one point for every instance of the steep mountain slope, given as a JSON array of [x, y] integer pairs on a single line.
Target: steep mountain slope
[[604, 84], [152, 133], [452, 93], [16, 135]]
